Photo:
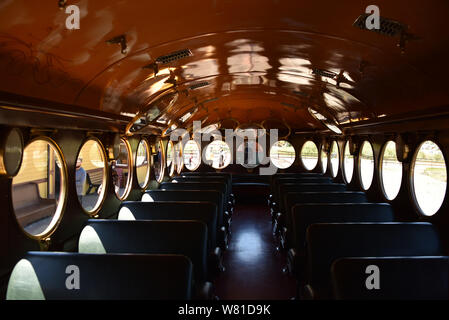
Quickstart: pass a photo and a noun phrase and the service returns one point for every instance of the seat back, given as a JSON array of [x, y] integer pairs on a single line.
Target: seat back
[[296, 180], [188, 195], [210, 178], [25, 194], [293, 198], [286, 188], [75, 276], [277, 176], [174, 210], [188, 238], [217, 186], [206, 179], [398, 278], [327, 242], [305, 214]]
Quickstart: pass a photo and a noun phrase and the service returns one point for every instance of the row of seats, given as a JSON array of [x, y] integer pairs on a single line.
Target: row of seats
[[337, 241], [167, 246]]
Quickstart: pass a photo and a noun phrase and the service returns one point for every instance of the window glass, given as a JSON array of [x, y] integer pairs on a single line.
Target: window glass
[[158, 161], [192, 155], [143, 164], [121, 176], [218, 154], [391, 172], [366, 165], [178, 157], [250, 154], [170, 156], [282, 154], [429, 178], [335, 159], [38, 190], [324, 160], [348, 164], [309, 155], [90, 175]]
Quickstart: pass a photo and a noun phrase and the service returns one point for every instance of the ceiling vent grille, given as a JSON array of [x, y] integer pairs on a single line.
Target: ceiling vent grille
[[174, 56], [324, 73], [387, 27], [302, 94], [199, 85], [210, 100]]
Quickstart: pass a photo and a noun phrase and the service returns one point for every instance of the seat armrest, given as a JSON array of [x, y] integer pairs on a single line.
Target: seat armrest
[[216, 261], [205, 291], [227, 221], [230, 207], [270, 199], [291, 262], [307, 293], [223, 238], [283, 237], [296, 263]]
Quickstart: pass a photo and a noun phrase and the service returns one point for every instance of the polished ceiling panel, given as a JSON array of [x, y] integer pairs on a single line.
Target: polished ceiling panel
[[261, 59]]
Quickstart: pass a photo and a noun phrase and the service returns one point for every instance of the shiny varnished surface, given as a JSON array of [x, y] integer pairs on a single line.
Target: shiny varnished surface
[[253, 266], [253, 53]]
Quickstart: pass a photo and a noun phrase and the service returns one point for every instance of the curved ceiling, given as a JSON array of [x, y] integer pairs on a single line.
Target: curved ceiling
[[246, 60]]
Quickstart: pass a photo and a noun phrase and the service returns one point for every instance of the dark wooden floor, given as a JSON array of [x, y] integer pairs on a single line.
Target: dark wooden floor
[[253, 266]]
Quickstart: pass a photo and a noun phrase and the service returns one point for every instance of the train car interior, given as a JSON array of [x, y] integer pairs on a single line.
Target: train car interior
[[224, 150]]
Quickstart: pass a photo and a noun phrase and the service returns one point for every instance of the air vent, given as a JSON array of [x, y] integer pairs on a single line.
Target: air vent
[[387, 27], [289, 105], [302, 94], [174, 56], [210, 100], [324, 73], [199, 85]]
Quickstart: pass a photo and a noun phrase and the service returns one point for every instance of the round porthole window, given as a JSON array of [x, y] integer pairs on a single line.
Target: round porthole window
[[366, 166], [158, 161], [39, 189], [348, 163], [429, 178], [282, 154], [192, 155], [90, 175], [323, 160], [170, 156], [218, 154], [143, 164], [390, 171], [335, 159], [250, 154], [11, 151], [309, 155], [122, 171], [178, 157]]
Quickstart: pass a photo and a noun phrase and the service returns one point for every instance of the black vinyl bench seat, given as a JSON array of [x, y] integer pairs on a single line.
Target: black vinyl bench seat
[[188, 238], [53, 276], [327, 242], [399, 278]]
